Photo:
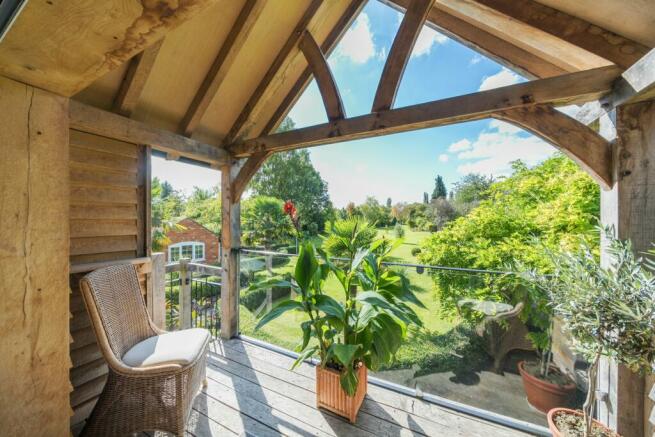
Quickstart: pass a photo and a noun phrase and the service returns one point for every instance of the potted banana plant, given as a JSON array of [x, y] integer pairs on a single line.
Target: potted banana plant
[[360, 330], [608, 311]]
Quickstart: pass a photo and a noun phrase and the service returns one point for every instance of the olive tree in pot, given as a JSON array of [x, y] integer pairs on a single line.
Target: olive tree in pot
[[608, 311], [362, 331]]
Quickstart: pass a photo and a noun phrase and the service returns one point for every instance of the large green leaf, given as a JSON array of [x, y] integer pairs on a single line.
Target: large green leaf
[[330, 306], [359, 257], [306, 354], [270, 283], [306, 333], [348, 380], [344, 353], [306, 266], [366, 314], [278, 310]]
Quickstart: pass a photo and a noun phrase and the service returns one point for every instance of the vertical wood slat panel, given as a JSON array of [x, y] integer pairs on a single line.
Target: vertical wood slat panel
[[109, 220]]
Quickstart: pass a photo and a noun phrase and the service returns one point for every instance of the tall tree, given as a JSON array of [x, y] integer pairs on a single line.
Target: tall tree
[[204, 206], [439, 188], [292, 176], [264, 222], [472, 188], [426, 198], [388, 202]]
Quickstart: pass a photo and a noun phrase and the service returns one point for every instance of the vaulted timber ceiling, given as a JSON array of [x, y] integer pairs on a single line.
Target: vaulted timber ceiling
[[224, 70]]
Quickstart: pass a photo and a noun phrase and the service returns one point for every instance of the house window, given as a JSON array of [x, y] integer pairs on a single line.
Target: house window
[[193, 250]]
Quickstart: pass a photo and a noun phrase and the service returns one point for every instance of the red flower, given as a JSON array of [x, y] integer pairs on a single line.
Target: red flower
[[289, 208]]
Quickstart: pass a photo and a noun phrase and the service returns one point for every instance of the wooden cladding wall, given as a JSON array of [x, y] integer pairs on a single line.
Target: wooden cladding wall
[[109, 221]]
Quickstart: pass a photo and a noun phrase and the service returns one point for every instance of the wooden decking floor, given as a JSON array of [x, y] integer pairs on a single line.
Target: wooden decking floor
[[252, 392]]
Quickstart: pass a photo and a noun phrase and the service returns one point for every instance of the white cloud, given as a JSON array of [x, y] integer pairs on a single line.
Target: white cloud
[[496, 147], [459, 146], [443, 157], [476, 59], [426, 40], [503, 78], [357, 44]]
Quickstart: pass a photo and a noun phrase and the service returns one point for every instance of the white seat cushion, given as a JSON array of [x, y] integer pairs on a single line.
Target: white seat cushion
[[179, 347]]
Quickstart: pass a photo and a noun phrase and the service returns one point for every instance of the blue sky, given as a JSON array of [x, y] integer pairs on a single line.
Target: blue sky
[[400, 166]]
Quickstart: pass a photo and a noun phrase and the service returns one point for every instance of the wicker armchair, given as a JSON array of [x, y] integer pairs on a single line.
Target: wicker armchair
[[153, 375]]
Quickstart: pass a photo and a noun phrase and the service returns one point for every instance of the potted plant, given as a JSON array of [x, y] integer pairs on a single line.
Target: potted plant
[[359, 332], [608, 311], [546, 387]]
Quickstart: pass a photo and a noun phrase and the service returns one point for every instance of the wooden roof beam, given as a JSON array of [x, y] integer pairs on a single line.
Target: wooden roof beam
[[326, 84], [135, 79], [579, 142], [501, 51], [399, 54], [247, 171], [328, 45], [570, 88], [235, 40], [258, 94], [107, 124], [608, 45], [636, 84], [548, 47]]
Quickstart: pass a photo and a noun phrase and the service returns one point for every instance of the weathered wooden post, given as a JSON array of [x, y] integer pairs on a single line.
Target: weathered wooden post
[[185, 294], [630, 208], [231, 242], [35, 245], [157, 299]]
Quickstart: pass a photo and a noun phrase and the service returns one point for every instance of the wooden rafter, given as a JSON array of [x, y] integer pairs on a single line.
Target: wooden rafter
[[107, 124], [636, 84], [545, 45], [257, 95], [615, 48], [571, 88], [399, 53], [328, 45], [323, 75], [135, 79], [247, 171], [579, 142], [501, 51], [236, 38]]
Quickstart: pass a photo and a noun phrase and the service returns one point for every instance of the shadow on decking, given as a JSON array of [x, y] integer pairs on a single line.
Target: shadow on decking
[[272, 400]]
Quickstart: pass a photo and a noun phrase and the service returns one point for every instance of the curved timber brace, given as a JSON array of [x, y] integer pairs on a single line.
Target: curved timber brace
[[582, 144]]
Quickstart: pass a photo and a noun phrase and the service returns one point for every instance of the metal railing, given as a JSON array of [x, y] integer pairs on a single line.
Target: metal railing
[[193, 293]]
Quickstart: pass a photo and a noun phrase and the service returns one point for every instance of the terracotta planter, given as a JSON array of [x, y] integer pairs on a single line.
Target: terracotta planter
[[555, 411], [543, 395], [330, 395]]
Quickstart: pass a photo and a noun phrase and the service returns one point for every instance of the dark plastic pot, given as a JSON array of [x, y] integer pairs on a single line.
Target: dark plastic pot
[[543, 395]]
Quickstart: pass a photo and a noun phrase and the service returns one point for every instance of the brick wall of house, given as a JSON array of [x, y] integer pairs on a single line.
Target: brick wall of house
[[194, 231]]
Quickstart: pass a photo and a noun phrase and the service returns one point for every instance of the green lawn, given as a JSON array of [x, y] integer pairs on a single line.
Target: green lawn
[[285, 331]]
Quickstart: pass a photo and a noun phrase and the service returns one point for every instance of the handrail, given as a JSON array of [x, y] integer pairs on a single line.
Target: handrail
[[391, 263], [204, 269], [89, 267]]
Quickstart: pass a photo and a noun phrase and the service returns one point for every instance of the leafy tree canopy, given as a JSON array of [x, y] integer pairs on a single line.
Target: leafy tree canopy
[[439, 188], [472, 187], [554, 201], [292, 176], [264, 222], [204, 206]]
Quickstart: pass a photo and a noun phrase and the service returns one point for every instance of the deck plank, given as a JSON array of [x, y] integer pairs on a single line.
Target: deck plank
[[301, 388], [414, 414], [309, 415]]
